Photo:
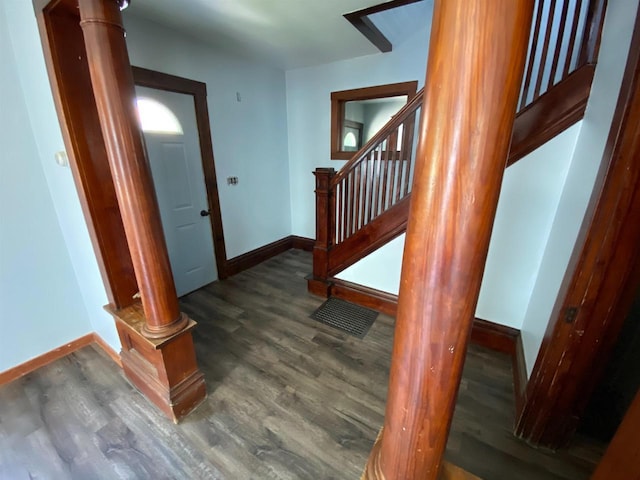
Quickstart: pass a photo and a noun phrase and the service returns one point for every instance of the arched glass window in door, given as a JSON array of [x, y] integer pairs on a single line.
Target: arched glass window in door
[[156, 117]]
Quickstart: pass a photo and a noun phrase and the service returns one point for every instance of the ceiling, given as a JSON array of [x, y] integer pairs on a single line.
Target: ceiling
[[283, 33], [399, 24]]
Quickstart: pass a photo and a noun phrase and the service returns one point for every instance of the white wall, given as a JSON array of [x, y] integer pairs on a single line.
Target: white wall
[[42, 307], [249, 137], [529, 197], [33, 77], [354, 111], [379, 269], [616, 37]]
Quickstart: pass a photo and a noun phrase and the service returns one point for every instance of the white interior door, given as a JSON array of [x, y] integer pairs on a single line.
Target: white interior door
[[176, 166]]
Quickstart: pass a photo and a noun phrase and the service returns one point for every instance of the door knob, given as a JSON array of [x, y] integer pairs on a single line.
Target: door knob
[[205, 213]]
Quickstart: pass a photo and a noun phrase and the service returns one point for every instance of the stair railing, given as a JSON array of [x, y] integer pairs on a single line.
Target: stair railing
[[379, 176], [565, 36], [563, 47], [376, 179]]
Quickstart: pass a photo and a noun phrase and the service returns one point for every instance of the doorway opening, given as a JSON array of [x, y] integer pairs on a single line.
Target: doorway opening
[[169, 88]]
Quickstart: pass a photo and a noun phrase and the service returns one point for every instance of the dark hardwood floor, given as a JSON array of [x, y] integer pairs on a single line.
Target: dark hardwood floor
[[289, 398]]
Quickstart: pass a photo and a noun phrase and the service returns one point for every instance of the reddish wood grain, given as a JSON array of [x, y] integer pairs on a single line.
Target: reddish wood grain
[[113, 88], [323, 228], [66, 62], [476, 60], [603, 269], [551, 114]]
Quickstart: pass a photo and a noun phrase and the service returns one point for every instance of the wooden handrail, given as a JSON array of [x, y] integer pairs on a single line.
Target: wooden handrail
[[411, 106]]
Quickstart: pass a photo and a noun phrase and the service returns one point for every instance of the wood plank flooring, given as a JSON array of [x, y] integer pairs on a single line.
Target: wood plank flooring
[[289, 398]]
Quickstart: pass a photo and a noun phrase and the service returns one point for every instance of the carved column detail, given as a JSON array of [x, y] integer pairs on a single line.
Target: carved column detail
[[476, 59]]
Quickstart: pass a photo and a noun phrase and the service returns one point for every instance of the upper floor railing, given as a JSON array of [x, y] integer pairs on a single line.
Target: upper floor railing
[[565, 35]]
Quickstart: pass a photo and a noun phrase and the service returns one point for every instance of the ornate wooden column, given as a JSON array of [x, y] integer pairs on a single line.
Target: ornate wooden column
[[475, 66], [158, 353], [325, 210]]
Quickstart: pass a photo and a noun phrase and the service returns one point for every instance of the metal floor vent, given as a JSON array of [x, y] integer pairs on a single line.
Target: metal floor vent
[[352, 319]]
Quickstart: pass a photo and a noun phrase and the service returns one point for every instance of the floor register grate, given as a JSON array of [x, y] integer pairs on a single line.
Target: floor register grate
[[352, 319]]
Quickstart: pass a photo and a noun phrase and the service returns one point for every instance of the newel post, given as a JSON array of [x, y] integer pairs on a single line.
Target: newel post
[[325, 226], [157, 348], [474, 73]]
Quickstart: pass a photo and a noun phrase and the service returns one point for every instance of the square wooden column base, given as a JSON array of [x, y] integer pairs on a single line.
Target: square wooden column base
[[164, 370]]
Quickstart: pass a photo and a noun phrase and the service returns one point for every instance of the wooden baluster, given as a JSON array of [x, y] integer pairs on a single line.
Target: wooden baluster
[[347, 205], [363, 192], [365, 189], [592, 32], [397, 158], [559, 38], [158, 354], [533, 48], [380, 173], [375, 175], [356, 206], [336, 196], [343, 212], [572, 39], [355, 190], [379, 179], [350, 204], [407, 178], [370, 181], [545, 50], [411, 159], [339, 210], [352, 188], [476, 59], [405, 166], [385, 171]]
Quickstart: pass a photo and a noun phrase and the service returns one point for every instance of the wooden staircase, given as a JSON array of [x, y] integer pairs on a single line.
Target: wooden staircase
[[365, 205]]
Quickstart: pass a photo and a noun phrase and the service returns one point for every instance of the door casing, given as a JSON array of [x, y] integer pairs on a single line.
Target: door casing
[[171, 83]]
